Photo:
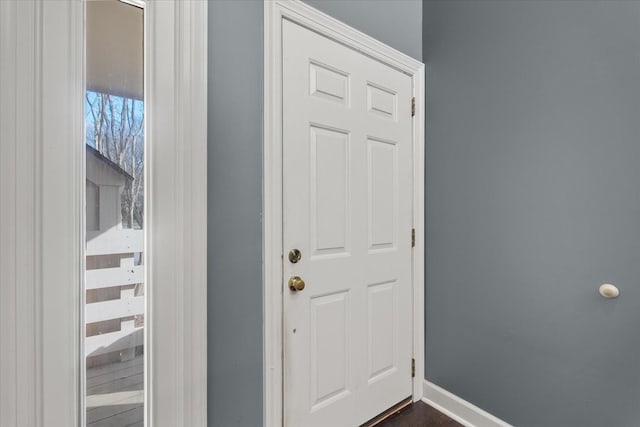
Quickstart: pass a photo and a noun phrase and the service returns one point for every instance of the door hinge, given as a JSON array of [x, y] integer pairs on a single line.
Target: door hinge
[[413, 368], [413, 106], [413, 237]]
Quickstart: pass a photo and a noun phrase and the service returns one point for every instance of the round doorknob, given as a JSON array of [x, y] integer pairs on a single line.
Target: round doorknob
[[296, 284], [294, 256]]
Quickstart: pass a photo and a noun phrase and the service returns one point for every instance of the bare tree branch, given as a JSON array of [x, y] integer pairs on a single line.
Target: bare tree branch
[[116, 127]]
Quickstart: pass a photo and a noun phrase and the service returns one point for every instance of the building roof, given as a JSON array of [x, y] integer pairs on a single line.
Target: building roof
[[98, 155]]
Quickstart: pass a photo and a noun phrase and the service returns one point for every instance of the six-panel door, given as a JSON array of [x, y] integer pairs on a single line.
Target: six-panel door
[[347, 203]]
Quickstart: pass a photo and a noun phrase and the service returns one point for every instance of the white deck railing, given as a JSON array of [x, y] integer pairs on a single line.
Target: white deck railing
[[122, 244], [117, 276], [115, 241]]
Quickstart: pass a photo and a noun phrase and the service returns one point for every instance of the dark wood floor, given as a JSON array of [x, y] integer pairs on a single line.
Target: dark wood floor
[[419, 415]]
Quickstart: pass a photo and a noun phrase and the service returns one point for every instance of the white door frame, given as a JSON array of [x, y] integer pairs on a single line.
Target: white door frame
[[42, 188], [274, 12]]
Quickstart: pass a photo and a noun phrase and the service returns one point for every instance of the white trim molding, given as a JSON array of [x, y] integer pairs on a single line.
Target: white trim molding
[[459, 409], [41, 188], [176, 175], [274, 12]]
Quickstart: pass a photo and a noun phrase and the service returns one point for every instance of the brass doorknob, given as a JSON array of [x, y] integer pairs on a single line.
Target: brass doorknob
[[296, 284]]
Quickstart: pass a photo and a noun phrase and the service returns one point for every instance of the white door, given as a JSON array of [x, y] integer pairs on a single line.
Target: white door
[[347, 203]]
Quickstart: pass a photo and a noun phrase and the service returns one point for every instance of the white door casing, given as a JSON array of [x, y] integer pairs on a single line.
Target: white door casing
[[347, 198], [277, 268]]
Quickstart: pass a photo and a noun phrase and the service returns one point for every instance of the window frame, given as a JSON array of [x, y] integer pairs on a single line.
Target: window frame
[[42, 189]]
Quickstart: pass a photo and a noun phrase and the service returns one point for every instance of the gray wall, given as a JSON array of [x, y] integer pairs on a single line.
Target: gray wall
[[397, 23], [533, 201], [235, 187], [235, 205]]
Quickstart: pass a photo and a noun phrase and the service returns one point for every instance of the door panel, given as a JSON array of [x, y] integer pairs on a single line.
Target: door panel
[[330, 340], [382, 320], [330, 169], [383, 203], [347, 203]]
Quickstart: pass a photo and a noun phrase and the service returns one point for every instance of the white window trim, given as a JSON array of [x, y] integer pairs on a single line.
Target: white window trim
[[41, 115], [176, 172], [274, 12], [41, 214]]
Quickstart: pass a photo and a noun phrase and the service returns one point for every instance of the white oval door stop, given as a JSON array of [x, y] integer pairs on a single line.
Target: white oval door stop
[[608, 290]]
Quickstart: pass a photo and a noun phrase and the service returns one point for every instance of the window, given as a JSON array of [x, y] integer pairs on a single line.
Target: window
[[114, 293]]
